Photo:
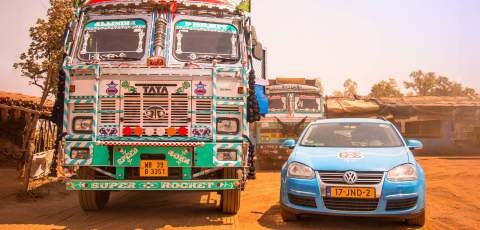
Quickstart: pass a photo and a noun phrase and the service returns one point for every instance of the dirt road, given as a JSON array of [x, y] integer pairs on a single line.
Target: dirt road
[[452, 190]]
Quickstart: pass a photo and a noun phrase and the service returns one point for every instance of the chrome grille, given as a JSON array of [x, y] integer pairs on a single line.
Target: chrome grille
[[227, 108], [350, 204], [107, 108], [363, 178], [87, 107], [203, 110], [176, 107]]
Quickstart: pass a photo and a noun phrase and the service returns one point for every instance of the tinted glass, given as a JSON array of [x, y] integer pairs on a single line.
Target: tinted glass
[[199, 41], [114, 40]]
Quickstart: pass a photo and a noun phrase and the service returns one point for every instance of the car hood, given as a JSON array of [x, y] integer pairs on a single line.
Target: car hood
[[357, 159]]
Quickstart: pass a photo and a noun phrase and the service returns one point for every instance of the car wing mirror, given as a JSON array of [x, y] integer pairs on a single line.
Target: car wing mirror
[[414, 144], [289, 143]]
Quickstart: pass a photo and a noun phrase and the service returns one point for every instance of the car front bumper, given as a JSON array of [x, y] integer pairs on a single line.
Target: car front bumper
[[386, 192]]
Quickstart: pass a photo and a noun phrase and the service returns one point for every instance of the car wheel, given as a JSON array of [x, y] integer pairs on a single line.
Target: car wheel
[[230, 199], [288, 215], [417, 220], [91, 200]]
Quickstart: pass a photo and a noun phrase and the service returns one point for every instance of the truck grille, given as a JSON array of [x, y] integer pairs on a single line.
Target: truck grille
[[107, 114], [165, 110], [350, 204], [363, 178]]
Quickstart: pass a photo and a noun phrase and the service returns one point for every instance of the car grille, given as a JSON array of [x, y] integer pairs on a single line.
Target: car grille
[[350, 204], [302, 200], [401, 204], [363, 178]]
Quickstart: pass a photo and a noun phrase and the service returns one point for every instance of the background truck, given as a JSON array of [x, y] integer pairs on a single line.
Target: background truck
[[292, 104], [159, 96]]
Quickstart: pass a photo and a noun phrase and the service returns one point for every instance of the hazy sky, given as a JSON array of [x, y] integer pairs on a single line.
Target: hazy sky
[[366, 40]]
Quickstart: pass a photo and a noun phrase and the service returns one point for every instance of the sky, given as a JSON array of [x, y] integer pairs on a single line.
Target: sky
[[366, 40]]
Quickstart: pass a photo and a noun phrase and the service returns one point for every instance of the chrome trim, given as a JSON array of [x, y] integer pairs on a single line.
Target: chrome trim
[[323, 186]]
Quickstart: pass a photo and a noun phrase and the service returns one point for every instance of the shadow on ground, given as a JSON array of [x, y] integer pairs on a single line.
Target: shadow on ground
[[272, 219]]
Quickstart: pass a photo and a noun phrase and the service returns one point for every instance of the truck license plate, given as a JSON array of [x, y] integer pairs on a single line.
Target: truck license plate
[[346, 192], [153, 168]]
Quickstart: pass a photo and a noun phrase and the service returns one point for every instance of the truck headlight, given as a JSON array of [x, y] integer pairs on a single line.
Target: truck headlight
[[227, 125], [80, 153], [227, 155], [405, 172], [297, 170], [82, 124]]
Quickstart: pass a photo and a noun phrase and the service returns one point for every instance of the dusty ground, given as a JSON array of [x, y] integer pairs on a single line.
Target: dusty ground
[[453, 203]]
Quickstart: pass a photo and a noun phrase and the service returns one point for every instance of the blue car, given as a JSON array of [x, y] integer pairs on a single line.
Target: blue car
[[353, 167]]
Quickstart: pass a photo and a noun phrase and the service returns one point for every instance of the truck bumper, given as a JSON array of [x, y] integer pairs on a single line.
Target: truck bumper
[[154, 185]]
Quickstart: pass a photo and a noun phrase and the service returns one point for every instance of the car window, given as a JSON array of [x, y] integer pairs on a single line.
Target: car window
[[361, 135]]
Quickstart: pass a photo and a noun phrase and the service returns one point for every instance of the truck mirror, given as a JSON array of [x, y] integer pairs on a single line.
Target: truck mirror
[[258, 51]]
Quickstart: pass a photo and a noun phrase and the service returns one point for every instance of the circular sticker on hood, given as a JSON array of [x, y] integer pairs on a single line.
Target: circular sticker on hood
[[350, 155]]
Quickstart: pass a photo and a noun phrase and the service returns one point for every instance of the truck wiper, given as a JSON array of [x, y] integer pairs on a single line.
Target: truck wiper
[[213, 58]]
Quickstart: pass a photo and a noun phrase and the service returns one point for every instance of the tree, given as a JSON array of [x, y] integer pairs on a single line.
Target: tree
[[423, 83], [428, 84], [350, 88], [385, 88], [42, 63]]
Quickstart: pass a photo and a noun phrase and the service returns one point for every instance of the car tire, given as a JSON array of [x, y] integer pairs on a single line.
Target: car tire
[[91, 200], [288, 215], [230, 199], [418, 221]]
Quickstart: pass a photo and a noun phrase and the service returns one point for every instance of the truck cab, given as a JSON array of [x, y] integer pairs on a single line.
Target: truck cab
[[157, 98]]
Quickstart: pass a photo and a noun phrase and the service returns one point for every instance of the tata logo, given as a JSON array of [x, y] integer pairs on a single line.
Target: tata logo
[[155, 89], [155, 112]]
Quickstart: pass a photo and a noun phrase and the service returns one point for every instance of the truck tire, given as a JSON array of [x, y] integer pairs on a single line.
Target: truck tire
[[230, 199], [91, 200], [287, 215], [417, 221]]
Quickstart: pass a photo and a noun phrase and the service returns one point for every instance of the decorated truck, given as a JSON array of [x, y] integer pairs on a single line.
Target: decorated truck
[[159, 95], [292, 104]]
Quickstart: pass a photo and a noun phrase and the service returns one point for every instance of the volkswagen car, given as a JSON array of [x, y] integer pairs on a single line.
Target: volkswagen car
[[353, 167]]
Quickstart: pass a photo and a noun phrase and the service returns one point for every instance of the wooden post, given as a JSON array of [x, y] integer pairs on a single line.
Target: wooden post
[[30, 150]]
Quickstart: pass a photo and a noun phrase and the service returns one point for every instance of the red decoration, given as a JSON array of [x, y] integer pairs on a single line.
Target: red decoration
[[182, 131], [138, 131], [127, 131], [91, 2], [173, 7]]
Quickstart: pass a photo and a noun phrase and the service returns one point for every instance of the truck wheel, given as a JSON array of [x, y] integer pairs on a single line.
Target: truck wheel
[[91, 200], [230, 199], [417, 221], [288, 215]]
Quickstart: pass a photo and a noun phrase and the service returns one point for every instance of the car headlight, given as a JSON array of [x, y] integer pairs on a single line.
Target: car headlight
[[80, 153], [405, 172], [297, 170], [227, 126], [82, 124]]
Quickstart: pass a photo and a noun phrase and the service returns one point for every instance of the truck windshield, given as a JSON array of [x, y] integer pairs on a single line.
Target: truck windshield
[[277, 103], [307, 103], [350, 135], [203, 41], [113, 40]]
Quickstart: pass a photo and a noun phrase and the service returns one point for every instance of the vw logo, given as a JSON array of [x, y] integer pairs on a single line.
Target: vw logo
[[350, 177]]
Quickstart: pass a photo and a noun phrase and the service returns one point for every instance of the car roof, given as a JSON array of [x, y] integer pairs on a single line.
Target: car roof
[[351, 120]]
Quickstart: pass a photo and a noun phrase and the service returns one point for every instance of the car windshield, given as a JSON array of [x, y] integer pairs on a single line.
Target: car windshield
[[203, 41], [113, 40], [360, 135]]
